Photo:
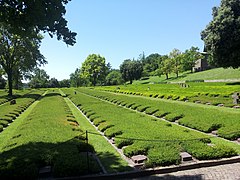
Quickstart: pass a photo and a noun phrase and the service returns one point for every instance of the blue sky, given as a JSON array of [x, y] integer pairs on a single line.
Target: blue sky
[[123, 29]]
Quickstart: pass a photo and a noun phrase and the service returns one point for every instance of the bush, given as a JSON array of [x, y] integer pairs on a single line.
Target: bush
[[160, 114], [135, 106], [151, 111], [173, 117], [112, 132], [168, 155], [4, 123], [104, 125], [202, 151], [142, 108], [97, 121], [1, 128], [134, 149], [123, 142]]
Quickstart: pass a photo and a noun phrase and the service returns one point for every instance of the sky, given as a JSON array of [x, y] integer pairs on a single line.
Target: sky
[[124, 29]]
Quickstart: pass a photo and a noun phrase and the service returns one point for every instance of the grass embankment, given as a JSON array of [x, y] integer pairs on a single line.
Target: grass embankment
[[212, 93], [211, 74], [147, 135], [47, 135]]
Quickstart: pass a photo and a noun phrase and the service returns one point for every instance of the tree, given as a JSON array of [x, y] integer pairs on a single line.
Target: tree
[[53, 83], [114, 78], [39, 79], [151, 64], [94, 68], [190, 57], [222, 34], [175, 56], [75, 78], [64, 83], [166, 67], [131, 70], [23, 16], [19, 54]]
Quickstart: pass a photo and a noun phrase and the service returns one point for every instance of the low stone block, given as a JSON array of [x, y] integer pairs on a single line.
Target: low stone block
[[214, 132], [236, 107], [238, 140], [220, 105], [139, 159], [185, 156]]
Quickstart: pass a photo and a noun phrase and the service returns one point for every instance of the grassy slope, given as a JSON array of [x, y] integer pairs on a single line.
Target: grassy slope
[[213, 74]]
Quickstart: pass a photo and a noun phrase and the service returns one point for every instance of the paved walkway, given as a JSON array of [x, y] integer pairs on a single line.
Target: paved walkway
[[223, 172]]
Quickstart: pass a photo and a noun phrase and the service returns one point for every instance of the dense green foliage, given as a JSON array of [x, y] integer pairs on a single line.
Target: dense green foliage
[[23, 16], [131, 70], [221, 36]]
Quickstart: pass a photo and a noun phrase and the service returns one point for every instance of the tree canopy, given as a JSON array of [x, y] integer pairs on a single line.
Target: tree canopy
[[131, 70], [23, 16], [19, 53], [222, 34], [94, 68]]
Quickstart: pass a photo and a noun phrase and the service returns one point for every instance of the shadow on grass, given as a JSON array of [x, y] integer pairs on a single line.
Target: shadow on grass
[[113, 163], [172, 177], [233, 83], [66, 159]]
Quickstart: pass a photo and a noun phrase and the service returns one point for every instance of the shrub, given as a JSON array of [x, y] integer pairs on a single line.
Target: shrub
[[202, 151], [135, 106], [90, 113], [92, 117], [1, 128], [173, 117], [123, 142], [142, 108], [4, 123], [136, 149], [97, 121], [168, 155], [104, 125], [151, 111], [112, 132], [160, 114]]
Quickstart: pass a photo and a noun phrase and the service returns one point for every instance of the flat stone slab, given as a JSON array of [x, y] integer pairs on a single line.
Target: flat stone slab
[[236, 107], [238, 140], [208, 103], [185, 156], [214, 132], [139, 159], [220, 105], [112, 140]]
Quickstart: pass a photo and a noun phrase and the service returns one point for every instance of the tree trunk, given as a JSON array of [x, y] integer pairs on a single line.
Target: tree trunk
[[131, 81], [166, 76], [10, 82]]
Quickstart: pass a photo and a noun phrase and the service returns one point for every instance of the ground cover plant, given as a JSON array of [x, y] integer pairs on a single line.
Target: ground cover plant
[[9, 112], [47, 136], [143, 134], [212, 93], [201, 117]]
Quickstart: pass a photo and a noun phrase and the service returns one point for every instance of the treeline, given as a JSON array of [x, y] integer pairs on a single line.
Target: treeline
[[95, 71]]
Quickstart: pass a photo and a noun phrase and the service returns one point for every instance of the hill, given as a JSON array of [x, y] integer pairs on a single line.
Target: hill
[[217, 74]]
